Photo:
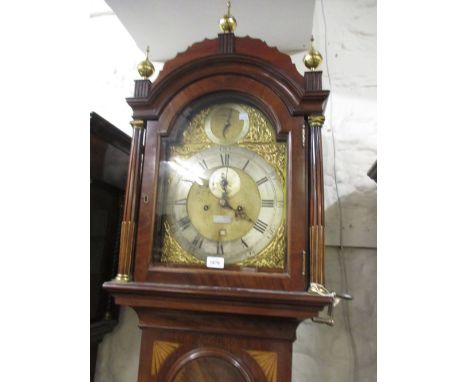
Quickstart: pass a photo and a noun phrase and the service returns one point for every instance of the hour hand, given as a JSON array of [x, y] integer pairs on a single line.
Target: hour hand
[[240, 212]]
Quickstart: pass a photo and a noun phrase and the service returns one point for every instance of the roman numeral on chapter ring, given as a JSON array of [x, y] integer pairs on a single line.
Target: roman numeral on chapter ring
[[183, 223], [203, 164], [180, 202], [244, 243], [267, 203], [224, 160], [261, 181], [260, 226], [197, 241]]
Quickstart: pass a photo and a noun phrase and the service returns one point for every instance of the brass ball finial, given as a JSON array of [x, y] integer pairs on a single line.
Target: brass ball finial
[[228, 23], [313, 58], [146, 68]]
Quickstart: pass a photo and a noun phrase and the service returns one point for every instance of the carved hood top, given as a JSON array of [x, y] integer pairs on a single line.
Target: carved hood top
[[229, 55]]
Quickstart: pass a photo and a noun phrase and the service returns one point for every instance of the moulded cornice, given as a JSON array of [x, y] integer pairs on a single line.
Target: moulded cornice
[[253, 58]]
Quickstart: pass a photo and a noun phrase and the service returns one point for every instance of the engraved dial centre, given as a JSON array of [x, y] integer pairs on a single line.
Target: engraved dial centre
[[230, 215]]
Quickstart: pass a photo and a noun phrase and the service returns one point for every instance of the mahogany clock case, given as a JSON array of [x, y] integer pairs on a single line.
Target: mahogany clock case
[[238, 321], [234, 69], [230, 77]]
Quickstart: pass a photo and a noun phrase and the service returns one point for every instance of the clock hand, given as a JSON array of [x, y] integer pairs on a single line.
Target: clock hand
[[225, 204], [239, 212], [243, 215], [224, 183], [223, 201], [227, 124]]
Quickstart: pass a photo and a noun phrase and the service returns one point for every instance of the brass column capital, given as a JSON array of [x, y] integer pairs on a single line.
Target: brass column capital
[[137, 123], [316, 120]]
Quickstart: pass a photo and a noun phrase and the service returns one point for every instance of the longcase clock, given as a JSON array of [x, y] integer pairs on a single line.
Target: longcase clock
[[222, 239]]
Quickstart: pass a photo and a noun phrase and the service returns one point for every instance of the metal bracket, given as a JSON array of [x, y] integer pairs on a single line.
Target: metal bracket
[[320, 290]]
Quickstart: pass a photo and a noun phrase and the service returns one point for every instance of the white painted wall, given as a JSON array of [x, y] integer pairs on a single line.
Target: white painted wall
[[352, 113], [347, 39], [320, 352], [114, 58]]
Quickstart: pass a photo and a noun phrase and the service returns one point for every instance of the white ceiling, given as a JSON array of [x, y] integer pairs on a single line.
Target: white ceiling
[[169, 27]]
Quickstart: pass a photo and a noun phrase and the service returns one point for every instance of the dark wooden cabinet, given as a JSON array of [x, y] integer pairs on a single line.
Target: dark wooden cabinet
[[237, 323], [109, 154]]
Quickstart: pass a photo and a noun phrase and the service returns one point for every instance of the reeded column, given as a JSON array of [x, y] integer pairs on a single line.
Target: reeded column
[[127, 230], [316, 205]]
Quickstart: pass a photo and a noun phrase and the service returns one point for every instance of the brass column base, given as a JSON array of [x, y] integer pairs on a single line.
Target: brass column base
[[122, 278]]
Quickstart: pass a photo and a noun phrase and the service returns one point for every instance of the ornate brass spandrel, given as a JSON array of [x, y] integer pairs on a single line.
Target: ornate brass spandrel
[[272, 256], [273, 153], [173, 253], [186, 151], [260, 130], [193, 139], [195, 133]]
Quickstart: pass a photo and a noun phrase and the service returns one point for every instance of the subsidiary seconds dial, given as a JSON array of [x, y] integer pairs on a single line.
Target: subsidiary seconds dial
[[226, 201]]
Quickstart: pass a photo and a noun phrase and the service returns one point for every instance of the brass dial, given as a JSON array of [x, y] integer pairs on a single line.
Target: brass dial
[[224, 216], [227, 201], [227, 123]]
